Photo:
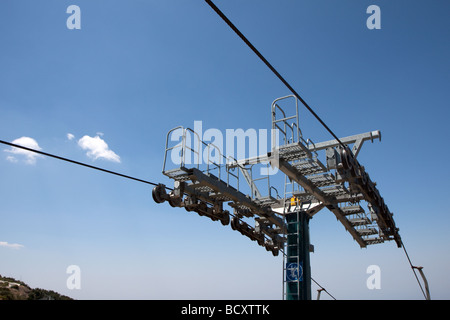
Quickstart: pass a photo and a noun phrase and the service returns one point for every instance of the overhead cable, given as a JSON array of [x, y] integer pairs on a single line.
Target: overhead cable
[[252, 47], [78, 163]]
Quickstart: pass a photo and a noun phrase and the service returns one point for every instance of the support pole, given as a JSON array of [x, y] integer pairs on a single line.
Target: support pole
[[427, 289], [297, 268]]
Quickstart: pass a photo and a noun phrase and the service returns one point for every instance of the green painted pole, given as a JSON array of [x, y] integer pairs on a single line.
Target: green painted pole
[[298, 269]]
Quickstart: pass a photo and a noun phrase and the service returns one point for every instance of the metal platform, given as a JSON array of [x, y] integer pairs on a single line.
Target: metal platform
[[317, 175], [205, 185], [348, 184]]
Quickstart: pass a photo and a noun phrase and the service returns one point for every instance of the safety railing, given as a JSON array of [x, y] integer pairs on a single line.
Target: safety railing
[[183, 146], [186, 153], [231, 170], [289, 124]]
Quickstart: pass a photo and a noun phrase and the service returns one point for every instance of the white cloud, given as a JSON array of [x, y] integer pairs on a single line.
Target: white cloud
[[10, 245], [30, 157], [97, 148], [11, 159], [70, 136]]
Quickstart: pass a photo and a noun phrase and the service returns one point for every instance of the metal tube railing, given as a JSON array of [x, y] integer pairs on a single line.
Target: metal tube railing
[[167, 149], [294, 128]]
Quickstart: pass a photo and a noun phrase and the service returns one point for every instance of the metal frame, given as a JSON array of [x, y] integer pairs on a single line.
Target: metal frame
[[342, 186]]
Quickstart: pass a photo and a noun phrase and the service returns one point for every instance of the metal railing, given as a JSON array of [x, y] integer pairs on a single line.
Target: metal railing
[[286, 127], [197, 150]]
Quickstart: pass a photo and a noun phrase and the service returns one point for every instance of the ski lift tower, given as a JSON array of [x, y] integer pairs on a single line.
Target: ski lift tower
[[316, 176]]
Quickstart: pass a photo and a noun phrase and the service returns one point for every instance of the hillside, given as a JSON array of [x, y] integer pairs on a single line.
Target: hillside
[[12, 289]]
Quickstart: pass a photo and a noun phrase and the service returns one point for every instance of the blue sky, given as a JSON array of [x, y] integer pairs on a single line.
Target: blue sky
[[138, 68]]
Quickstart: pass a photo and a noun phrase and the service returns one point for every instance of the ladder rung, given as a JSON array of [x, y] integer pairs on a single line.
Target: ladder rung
[[367, 231], [359, 221], [352, 209], [309, 166]]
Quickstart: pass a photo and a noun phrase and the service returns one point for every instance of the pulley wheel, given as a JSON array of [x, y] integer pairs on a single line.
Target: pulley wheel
[[275, 252], [156, 194], [233, 223], [225, 219], [345, 157]]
